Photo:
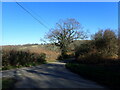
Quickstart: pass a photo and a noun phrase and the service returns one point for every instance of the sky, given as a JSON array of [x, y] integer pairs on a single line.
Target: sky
[[18, 27]]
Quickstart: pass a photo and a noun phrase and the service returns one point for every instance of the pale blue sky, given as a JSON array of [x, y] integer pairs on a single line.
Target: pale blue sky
[[20, 28]]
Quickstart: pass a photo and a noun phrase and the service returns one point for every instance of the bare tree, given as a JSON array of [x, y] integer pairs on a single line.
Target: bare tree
[[65, 32]]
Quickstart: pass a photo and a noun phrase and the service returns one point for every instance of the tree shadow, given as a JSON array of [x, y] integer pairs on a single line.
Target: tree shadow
[[52, 74]]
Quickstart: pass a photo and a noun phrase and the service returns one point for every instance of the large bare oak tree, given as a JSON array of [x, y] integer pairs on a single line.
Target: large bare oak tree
[[65, 32]]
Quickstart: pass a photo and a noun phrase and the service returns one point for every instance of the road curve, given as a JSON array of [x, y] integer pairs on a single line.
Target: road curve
[[51, 75]]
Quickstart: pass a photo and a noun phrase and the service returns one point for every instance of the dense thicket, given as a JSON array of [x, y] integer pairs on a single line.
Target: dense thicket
[[103, 45], [14, 58]]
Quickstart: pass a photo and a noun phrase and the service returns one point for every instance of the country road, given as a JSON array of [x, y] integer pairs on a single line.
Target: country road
[[51, 75]]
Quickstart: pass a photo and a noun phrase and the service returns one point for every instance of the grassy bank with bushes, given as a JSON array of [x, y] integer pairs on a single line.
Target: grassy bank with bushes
[[106, 75], [16, 59], [97, 59]]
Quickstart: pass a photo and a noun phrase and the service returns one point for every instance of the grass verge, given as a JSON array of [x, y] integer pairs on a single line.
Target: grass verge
[[8, 83], [26, 65], [108, 76]]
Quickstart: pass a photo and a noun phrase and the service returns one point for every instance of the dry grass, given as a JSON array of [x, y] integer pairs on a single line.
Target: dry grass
[[50, 55]]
